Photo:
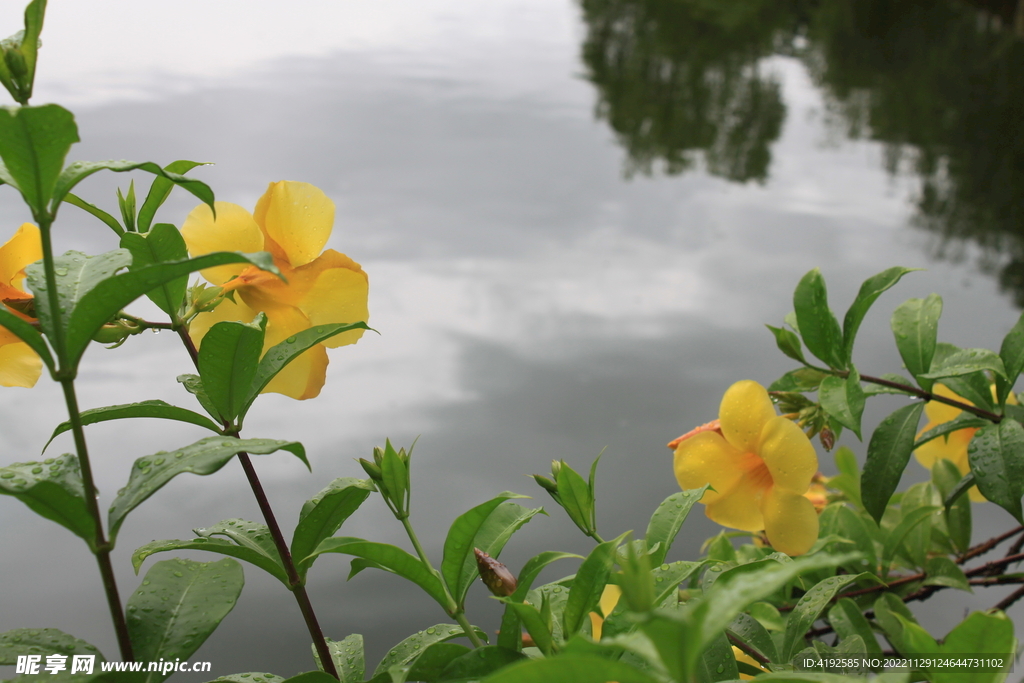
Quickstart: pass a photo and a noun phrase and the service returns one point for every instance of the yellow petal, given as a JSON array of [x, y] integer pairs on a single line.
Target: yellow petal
[[609, 598], [744, 411], [303, 377], [789, 455], [20, 366], [338, 295], [707, 458], [790, 521], [24, 248], [739, 506], [234, 230], [298, 217], [938, 412]]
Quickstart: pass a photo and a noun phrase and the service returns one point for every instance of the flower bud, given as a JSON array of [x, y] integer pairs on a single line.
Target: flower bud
[[548, 485], [371, 469], [496, 576], [15, 61], [827, 437], [556, 467], [378, 455]]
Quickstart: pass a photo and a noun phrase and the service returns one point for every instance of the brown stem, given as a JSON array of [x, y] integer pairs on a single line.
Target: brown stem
[[1013, 597], [983, 548], [927, 396], [761, 659], [294, 581]]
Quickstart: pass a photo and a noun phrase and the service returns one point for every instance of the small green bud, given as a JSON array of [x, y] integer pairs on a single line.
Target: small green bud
[[548, 485], [556, 467], [378, 455], [15, 61], [116, 333], [496, 576], [371, 469]]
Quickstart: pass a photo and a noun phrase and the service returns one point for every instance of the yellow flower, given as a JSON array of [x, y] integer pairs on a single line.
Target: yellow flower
[[20, 366], [953, 446], [760, 466], [293, 222], [609, 598], [742, 656]]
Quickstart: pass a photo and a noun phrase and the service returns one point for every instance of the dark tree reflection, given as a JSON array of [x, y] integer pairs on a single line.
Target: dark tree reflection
[[938, 82], [677, 78]]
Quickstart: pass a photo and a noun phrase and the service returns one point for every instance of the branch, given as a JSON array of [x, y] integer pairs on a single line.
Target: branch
[[927, 396]]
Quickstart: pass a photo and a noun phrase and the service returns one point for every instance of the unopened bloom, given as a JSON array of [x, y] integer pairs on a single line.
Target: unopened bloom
[[293, 222], [953, 446], [759, 466], [20, 366]]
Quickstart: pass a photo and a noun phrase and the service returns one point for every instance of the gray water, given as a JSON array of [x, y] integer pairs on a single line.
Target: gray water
[[538, 294]]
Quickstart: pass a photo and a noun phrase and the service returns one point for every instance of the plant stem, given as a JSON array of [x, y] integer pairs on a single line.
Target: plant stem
[[467, 628], [294, 580], [103, 548], [295, 583], [926, 395], [460, 615], [66, 376]]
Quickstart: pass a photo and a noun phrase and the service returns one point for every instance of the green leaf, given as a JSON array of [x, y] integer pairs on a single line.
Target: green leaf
[[1011, 351], [348, 657], [915, 324], [479, 662], [429, 665], [104, 300], [717, 662], [311, 677], [323, 515], [33, 144], [895, 537], [227, 363], [258, 558], [962, 487], [96, 211], [981, 633], [667, 520], [155, 409], [76, 275], [250, 677], [943, 571], [194, 386], [848, 621], [458, 565], [571, 668], [809, 608], [957, 512], [78, 171], [492, 536], [280, 355], [788, 342], [996, 456], [801, 379], [873, 389], [27, 333], [667, 578], [591, 578], [965, 362], [916, 544], [162, 244], [178, 606], [160, 190], [750, 632], [411, 647], [395, 478], [888, 454], [818, 326], [576, 497], [962, 421], [52, 489], [27, 44], [888, 610], [510, 635], [389, 557], [843, 399], [869, 292], [205, 456], [42, 641], [852, 526], [127, 205]]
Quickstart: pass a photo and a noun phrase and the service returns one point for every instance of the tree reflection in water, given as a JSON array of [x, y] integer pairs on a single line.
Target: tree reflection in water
[[937, 82]]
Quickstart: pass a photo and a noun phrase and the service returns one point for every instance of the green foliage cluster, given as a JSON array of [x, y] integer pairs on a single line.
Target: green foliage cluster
[[676, 621]]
